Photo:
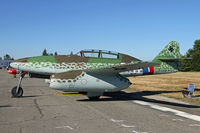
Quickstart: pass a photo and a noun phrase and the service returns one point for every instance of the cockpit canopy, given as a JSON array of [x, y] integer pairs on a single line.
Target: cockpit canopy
[[98, 53]]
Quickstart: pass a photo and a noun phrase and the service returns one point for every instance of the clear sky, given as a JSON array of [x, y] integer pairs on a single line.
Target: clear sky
[[140, 28]]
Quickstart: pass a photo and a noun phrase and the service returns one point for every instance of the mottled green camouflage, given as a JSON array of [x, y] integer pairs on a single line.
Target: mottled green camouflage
[[40, 59], [168, 59], [66, 62]]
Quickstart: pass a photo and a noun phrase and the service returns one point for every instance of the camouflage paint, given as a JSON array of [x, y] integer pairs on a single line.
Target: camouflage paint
[[71, 62], [68, 71], [63, 63], [40, 59], [168, 58]]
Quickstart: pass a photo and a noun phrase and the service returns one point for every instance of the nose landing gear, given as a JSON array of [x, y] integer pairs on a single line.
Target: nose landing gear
[[17, 91]]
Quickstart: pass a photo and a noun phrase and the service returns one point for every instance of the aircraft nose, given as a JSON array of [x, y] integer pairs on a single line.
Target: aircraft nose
[[16, 63]]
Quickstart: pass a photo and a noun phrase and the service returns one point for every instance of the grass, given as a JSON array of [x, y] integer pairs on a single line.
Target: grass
[[170, 85]]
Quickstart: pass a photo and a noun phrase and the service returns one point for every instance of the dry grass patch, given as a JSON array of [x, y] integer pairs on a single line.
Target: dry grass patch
[[169, 85]]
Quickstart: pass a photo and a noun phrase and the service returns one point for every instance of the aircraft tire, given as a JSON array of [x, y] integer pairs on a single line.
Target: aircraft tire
[[17, 94], [94, 98]]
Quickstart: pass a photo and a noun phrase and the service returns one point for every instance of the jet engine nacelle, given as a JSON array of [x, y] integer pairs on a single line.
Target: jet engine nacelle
[[80, 81], [13, 71]]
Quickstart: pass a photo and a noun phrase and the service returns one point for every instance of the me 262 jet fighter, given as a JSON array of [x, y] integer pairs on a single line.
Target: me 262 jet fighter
[[94, 71]]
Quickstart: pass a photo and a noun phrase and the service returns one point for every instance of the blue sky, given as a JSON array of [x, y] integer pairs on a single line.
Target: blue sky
[[140, 28]]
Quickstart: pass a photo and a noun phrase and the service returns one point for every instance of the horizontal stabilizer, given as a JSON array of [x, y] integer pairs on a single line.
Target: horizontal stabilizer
[[174, 59], [169, 59]]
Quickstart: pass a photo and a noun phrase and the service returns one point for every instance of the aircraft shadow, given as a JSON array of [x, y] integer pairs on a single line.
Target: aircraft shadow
[[125, 96], [31, 96], [5, 106]]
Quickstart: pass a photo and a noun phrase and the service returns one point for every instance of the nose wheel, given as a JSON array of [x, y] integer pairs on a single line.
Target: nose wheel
[[17, 91]]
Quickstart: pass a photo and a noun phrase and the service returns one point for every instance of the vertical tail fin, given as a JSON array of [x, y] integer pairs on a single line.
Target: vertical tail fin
[[168, 59]]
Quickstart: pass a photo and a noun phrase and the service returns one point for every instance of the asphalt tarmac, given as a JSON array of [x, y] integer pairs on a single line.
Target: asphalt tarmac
[[43, 110]]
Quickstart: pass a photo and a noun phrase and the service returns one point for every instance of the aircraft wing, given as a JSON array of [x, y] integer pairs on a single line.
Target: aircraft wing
[[124, 67]]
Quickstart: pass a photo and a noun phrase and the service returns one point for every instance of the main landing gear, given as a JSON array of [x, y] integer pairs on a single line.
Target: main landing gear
[[94, 96], [17, 91]]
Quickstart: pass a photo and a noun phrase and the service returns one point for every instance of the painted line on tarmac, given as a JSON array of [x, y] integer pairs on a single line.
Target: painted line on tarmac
[[194, 125], [65, 127], [69, 94], [138, 132], [166, 109], [116, 121], [177, 120], [127, 126]]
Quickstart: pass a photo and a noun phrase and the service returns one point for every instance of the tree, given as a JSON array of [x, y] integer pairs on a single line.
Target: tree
[[0, 58], [7, 57], [196, 56], [71, 53], [193, 61], [186, 64], [51, 54], [55, 53], [44, 53]]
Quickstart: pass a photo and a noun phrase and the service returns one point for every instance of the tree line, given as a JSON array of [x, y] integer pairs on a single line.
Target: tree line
[[45, 53], [7, 57], [191, 60]]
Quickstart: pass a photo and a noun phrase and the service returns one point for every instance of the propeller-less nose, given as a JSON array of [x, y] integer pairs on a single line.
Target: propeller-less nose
[[12, 71], [15, 64]]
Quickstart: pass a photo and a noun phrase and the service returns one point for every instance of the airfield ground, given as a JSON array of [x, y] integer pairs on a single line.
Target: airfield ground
[[43, 110], [169, 85]]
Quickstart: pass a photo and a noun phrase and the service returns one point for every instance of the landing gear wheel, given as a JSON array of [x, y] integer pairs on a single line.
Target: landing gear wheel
[[94, 98], [16, 93]]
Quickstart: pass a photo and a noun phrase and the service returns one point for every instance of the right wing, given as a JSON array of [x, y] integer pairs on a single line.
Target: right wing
[[113, 70], [123, 68]]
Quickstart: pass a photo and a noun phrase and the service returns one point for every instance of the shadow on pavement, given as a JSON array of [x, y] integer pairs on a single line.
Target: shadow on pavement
[[5, 106], [126, 96]]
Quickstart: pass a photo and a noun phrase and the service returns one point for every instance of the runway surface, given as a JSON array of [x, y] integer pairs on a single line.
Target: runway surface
[[43, 110]]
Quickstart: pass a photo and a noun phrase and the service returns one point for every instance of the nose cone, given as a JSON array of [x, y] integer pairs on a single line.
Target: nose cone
[[16, 63], [12, 71]]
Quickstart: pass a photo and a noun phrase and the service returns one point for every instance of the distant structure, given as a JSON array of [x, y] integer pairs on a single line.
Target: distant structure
[[5, 63]]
